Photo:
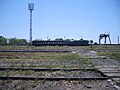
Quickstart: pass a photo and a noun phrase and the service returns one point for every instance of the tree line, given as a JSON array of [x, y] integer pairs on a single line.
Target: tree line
[[16, 41], [12, 41]]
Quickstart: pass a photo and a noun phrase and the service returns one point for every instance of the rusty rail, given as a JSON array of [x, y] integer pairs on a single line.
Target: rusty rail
[[49, 78], [64, 51]]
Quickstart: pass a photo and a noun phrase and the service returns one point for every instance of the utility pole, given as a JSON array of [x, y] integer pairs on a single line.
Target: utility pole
[[30, 7], [118, 39]]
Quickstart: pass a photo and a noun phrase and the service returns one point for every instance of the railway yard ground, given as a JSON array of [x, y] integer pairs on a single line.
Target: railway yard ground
[[95, 67]]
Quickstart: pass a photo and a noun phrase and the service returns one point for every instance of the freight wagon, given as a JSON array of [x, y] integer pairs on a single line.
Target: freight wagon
[[61, 43]]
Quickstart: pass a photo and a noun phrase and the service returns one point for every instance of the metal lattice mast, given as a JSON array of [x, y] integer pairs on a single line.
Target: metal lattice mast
[[30, 7]]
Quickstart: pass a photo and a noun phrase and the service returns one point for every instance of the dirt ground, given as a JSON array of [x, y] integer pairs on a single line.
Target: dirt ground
[[55, 85], [62, 84]]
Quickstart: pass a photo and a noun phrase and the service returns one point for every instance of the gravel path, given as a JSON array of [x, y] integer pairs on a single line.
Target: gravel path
[[109, 67], [104, 64], [72, 74], [55, 85]]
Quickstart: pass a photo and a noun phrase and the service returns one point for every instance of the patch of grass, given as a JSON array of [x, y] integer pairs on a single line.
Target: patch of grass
[[101, 54], [71, 56], [86, 60], [16, 47], [115, 55]]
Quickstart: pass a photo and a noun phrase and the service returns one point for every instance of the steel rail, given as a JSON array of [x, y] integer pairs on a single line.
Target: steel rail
[[49, 78], [55, 69], [36, 51], [47, 69], [113, 76]]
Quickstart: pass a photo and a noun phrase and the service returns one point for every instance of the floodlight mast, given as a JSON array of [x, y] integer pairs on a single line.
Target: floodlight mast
[[30, 7]]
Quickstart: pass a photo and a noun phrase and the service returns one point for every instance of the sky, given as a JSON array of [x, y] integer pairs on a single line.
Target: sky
[[73, 19]]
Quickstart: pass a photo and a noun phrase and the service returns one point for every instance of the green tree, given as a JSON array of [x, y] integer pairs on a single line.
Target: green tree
[[3, 40], [21, 41], [91, 41], [59, 39], [12, 41]]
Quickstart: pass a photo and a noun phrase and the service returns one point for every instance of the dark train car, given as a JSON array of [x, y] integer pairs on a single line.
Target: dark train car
[[78, 43], [61, 43], [49, 43]]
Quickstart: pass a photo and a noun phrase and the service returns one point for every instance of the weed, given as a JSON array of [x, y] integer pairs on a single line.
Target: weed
[[86, 60]]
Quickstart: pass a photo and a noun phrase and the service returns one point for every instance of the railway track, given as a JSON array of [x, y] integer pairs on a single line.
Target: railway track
[[45, 69], [111, 71], [55, 77], [53, 74], [50, 78], [101, 77], [63, 51]]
